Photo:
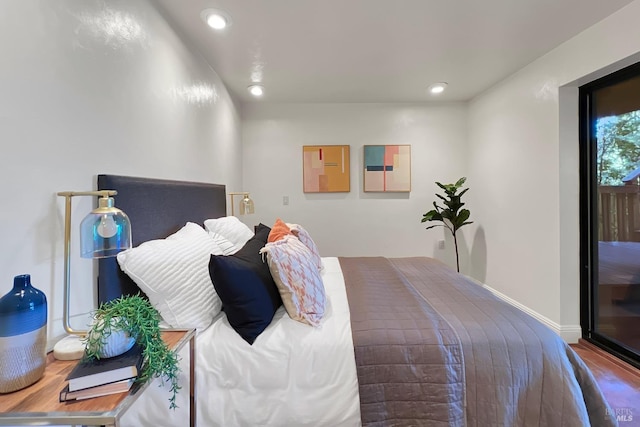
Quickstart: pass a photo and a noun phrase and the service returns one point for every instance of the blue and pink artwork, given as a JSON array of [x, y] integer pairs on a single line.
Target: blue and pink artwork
[[387, 168]]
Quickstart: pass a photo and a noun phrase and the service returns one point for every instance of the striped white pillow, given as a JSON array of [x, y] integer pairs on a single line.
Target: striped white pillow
[[174, 274], [231, 229], [226, 246]]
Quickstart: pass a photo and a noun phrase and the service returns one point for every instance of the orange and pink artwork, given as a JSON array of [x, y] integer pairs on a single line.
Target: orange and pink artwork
[[325, 168]]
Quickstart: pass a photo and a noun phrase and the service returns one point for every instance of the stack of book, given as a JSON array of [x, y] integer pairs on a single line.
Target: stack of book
[[103, 376]]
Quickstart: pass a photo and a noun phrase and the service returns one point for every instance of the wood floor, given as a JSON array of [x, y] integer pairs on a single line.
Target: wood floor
[[619, 382]]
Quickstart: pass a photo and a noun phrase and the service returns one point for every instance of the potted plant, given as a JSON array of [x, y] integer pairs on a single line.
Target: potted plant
[[137, 318], [452, 216]]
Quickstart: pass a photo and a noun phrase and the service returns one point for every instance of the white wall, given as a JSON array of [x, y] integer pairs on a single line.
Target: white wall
[[523, 162], [90, 87], [354, 223]]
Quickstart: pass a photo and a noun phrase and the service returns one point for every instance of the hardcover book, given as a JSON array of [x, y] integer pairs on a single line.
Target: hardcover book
[[101, 390], [103, 371]]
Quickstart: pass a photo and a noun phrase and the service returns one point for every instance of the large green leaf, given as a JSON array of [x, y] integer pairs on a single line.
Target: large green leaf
[[432, 216], [464, 215], [460, 181]]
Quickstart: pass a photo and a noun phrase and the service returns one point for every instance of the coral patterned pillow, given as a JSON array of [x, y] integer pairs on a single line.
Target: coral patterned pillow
[[278, 231], [306, 239], [298, 279]]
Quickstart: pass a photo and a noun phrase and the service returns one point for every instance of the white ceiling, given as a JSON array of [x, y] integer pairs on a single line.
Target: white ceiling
[[378, 50]]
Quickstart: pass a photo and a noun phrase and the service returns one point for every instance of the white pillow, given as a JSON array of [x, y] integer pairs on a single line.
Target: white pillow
[[225, 245], [174, 274], [230, 228]]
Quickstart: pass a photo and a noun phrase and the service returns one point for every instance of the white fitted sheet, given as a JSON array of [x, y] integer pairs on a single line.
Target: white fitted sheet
[[293, 375]]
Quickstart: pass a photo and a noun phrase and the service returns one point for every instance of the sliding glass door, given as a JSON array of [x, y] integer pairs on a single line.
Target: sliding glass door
[[610, 212]]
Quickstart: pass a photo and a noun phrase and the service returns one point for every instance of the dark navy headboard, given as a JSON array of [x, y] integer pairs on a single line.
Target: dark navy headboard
[[156, 209]]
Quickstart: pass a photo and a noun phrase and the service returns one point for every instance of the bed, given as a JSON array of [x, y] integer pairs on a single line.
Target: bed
[[403, 342]]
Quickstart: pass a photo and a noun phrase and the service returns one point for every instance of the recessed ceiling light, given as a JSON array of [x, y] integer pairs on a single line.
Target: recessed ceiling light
[[216, 19], [256, 90], [437, 88]]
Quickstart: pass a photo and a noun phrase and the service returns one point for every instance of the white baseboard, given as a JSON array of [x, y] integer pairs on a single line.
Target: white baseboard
[[569, 333]]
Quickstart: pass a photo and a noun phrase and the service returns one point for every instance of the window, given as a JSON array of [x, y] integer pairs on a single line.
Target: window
[[610, 212]]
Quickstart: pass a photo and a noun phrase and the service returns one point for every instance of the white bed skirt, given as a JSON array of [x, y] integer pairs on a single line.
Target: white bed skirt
[[293, 375]]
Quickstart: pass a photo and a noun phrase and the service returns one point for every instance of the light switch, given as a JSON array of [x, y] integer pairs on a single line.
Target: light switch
[[285, 200]]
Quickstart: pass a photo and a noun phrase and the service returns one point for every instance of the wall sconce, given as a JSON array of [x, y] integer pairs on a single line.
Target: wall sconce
[[104, 232], [246, 204]]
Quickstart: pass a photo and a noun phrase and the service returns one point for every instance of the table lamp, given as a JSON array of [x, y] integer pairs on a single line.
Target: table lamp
[[104, 232], [246, 204]]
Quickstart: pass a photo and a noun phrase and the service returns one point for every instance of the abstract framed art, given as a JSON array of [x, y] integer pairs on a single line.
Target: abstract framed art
[[387, 168], [325, 168]]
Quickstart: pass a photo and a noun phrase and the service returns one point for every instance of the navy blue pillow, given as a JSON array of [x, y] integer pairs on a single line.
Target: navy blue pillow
[[260, 228], [244, 284]]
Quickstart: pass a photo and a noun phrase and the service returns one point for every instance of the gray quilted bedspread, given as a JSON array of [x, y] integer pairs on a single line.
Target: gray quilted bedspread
[[434, 348]]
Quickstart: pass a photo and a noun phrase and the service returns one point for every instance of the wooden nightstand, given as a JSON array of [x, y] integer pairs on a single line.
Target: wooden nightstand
[[38, 404]]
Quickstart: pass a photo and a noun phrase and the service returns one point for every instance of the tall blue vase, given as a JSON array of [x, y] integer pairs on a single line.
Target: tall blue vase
[[23, 335]]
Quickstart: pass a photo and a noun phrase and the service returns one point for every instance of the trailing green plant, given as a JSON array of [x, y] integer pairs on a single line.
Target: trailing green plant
[[452, 216], [140, 320]]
